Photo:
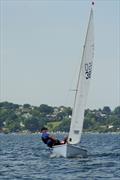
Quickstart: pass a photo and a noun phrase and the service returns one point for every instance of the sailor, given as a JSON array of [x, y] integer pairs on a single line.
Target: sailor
[[49, 140]]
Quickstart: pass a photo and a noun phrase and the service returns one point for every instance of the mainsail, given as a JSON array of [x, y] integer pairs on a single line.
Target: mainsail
[[82, 85]]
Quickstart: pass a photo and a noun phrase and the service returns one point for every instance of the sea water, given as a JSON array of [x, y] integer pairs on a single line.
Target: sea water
[[25, 157]]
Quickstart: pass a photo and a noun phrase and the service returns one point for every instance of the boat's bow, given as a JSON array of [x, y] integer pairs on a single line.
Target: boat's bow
[[69, 151]]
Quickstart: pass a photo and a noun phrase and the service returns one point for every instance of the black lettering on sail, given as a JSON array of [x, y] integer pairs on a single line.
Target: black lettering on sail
[[88, 70], [76, 131]]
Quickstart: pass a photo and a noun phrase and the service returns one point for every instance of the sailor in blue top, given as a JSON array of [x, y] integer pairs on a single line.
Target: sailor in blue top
[[49, 140]]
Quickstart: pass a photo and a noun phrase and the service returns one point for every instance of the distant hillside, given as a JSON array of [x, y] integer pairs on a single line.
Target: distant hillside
[[28, 118]]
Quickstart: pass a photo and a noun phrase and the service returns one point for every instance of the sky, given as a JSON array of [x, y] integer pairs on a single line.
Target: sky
[[41, 49]]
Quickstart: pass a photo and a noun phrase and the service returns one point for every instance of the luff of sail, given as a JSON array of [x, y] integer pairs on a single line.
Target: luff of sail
[[82, 85]]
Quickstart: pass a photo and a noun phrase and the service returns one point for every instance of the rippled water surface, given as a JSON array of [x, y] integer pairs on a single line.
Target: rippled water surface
[[25, 157]]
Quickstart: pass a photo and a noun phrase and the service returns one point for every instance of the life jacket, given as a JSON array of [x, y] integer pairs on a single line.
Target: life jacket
[[49, 140], [46, 138]]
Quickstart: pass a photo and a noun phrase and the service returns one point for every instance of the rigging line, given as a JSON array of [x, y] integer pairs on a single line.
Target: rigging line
[[0, 54], [41, 0], [118, 56], [3, 55], [0, 64]]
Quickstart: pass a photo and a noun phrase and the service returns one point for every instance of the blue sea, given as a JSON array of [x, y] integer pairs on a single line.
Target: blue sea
[[25, 157]]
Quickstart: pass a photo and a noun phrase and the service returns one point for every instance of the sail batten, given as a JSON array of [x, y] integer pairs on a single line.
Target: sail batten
[[83, 83]]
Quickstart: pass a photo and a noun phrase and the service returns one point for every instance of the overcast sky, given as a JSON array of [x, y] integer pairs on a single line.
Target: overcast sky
[[41, 49]]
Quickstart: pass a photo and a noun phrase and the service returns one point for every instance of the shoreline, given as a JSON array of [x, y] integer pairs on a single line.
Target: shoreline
[[57, 132]]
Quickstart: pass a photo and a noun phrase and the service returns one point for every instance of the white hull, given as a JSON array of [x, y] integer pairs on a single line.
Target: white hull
[[69, 151]]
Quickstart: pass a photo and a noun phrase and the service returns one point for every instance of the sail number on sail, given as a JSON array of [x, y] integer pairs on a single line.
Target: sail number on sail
[[88, 70]]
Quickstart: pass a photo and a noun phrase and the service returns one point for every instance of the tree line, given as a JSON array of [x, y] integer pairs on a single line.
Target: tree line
[[20, 118]]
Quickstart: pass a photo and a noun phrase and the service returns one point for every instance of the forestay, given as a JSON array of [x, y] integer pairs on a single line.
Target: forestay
[[82, 85]]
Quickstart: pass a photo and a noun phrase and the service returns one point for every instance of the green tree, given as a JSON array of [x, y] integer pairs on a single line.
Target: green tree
[[32, 124], [64, 125], [61, 115], [45, 109], [13, 126], [89, 123], [117, 111], [7, 105], [27, 106], [106, 110]]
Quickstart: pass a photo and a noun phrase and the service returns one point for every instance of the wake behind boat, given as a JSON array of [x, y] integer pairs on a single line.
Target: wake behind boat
[[71, 148]]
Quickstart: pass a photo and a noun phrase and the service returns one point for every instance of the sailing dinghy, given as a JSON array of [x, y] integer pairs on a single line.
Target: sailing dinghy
[[72, 148]]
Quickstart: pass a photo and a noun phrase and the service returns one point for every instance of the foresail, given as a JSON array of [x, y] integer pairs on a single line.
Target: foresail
[[82, 85]]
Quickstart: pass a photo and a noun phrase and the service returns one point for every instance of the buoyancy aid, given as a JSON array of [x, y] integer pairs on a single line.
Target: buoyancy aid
[[45, 138]]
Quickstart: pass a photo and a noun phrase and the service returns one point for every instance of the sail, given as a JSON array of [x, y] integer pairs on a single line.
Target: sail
[[82, 85]]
